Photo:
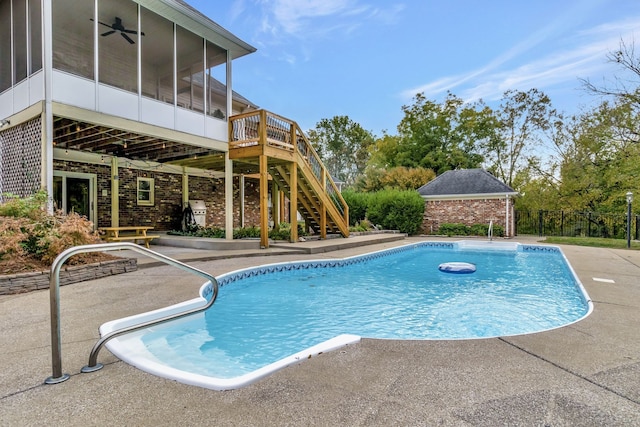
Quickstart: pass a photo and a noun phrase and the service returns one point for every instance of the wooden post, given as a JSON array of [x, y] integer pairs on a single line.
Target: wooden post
[[293, 200], [294, 140], [264, 203], [275, 205], [323, 207], [262, 129], [115, 196], [281, 198]]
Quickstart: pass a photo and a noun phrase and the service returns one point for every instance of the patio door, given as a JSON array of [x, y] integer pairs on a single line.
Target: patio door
[[75, 192]]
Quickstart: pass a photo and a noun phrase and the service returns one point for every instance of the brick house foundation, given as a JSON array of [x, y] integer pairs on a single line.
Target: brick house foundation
[[165, 210], [469, 197]]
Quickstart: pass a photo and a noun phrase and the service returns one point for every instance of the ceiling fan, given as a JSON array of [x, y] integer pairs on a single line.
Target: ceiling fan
[[117, 26]]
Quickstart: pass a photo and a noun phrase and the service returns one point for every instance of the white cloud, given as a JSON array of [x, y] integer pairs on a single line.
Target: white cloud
[[585, 57], [314, 19], [292, 15]]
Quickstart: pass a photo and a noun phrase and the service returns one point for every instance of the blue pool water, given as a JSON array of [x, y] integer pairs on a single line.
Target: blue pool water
[[265, 314]]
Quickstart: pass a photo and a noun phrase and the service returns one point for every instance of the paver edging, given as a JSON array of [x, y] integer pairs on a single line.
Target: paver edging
[[26, 282]]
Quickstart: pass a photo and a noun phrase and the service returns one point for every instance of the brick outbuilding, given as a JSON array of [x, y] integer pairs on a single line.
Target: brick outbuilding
[[467, 196]]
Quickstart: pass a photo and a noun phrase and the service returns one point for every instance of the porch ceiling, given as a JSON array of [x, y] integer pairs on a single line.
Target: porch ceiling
[[98, 139]]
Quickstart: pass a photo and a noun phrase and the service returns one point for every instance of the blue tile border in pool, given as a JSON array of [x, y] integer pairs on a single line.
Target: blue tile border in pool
[[538, 248], [304, 265]]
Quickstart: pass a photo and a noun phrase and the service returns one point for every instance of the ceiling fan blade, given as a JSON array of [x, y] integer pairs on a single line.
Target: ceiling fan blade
[[127, 38], [101, 23], [107, 33], [133, 32]]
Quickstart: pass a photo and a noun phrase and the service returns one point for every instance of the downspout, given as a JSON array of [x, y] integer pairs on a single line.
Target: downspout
[[228, 163], [47, 114], [506, 223], [115, 193]]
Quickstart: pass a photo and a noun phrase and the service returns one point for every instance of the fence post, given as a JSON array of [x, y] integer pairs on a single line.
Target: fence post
[[589, 225], [540, 223]]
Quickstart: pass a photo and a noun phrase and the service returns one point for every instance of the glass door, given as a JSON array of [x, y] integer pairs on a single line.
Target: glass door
[[75, 192]]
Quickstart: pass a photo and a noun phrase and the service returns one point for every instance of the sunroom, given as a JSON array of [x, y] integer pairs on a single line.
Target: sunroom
[[92, 90]]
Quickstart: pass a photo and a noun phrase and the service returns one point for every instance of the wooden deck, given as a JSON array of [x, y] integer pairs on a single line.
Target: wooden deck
[[276, 149]]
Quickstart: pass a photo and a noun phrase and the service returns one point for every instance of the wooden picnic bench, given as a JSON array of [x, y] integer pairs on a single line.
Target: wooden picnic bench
[[135, 233]]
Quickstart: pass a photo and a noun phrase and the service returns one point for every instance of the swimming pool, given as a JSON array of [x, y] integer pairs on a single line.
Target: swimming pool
[[269, 317]]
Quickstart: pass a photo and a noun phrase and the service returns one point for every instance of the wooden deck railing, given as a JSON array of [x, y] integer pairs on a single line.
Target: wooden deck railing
[[265, 128]]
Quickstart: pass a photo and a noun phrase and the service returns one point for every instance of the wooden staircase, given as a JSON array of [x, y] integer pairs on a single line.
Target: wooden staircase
[[275, 148]]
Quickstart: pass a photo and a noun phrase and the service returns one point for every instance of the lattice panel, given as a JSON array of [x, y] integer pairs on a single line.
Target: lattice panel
[[21, 159]]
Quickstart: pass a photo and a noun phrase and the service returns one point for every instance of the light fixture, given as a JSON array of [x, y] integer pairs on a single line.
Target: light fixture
[[164, 145], [125, 144], [629, 200]]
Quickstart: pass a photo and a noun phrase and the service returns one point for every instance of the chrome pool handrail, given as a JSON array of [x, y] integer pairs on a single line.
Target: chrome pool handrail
[[490, 231], [54, 303]]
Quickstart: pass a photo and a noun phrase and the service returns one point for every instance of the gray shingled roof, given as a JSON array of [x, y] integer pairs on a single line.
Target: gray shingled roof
[[465, 182]]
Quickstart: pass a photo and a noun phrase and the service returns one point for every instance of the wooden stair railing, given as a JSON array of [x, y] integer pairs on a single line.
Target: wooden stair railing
[[261, 133]]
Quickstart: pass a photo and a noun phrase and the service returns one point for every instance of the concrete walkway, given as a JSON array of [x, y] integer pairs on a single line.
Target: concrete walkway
[[586, 374]]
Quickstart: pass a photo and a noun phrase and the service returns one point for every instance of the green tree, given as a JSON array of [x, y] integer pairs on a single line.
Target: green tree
[[343, 145], [384, 152], [524, 118], [441, 136], [399, 178], [600, 163], [625, 89]]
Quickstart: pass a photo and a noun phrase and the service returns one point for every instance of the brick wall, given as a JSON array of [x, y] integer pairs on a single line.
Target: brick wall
[[166, 213], [103, 181], [211, 190], [468, 212]]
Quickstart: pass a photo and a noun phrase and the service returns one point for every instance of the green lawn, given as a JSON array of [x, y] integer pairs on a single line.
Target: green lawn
[[593, 241]]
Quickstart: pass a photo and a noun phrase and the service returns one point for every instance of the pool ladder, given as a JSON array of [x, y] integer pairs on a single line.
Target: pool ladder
[[490, 231], [54, 303]]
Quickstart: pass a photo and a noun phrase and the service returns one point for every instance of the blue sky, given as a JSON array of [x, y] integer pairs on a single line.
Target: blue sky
[[367, 58]]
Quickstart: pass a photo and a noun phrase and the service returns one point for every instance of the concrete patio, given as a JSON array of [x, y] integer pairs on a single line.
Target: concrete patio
[[586, 374]]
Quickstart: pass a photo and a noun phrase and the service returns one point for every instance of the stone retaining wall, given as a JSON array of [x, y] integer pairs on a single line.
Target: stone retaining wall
[[25, 282]]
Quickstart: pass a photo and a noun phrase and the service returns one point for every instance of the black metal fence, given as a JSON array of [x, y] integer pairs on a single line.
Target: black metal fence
[[572, 224]]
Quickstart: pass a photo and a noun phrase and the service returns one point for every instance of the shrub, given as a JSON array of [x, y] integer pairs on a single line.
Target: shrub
[[284, 231], [453, 229], [358, 203], [246, 232], [66, 232], [12, 236], [483, 230], [396, 210], [363, 225], [30, 236], [32, 207]]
